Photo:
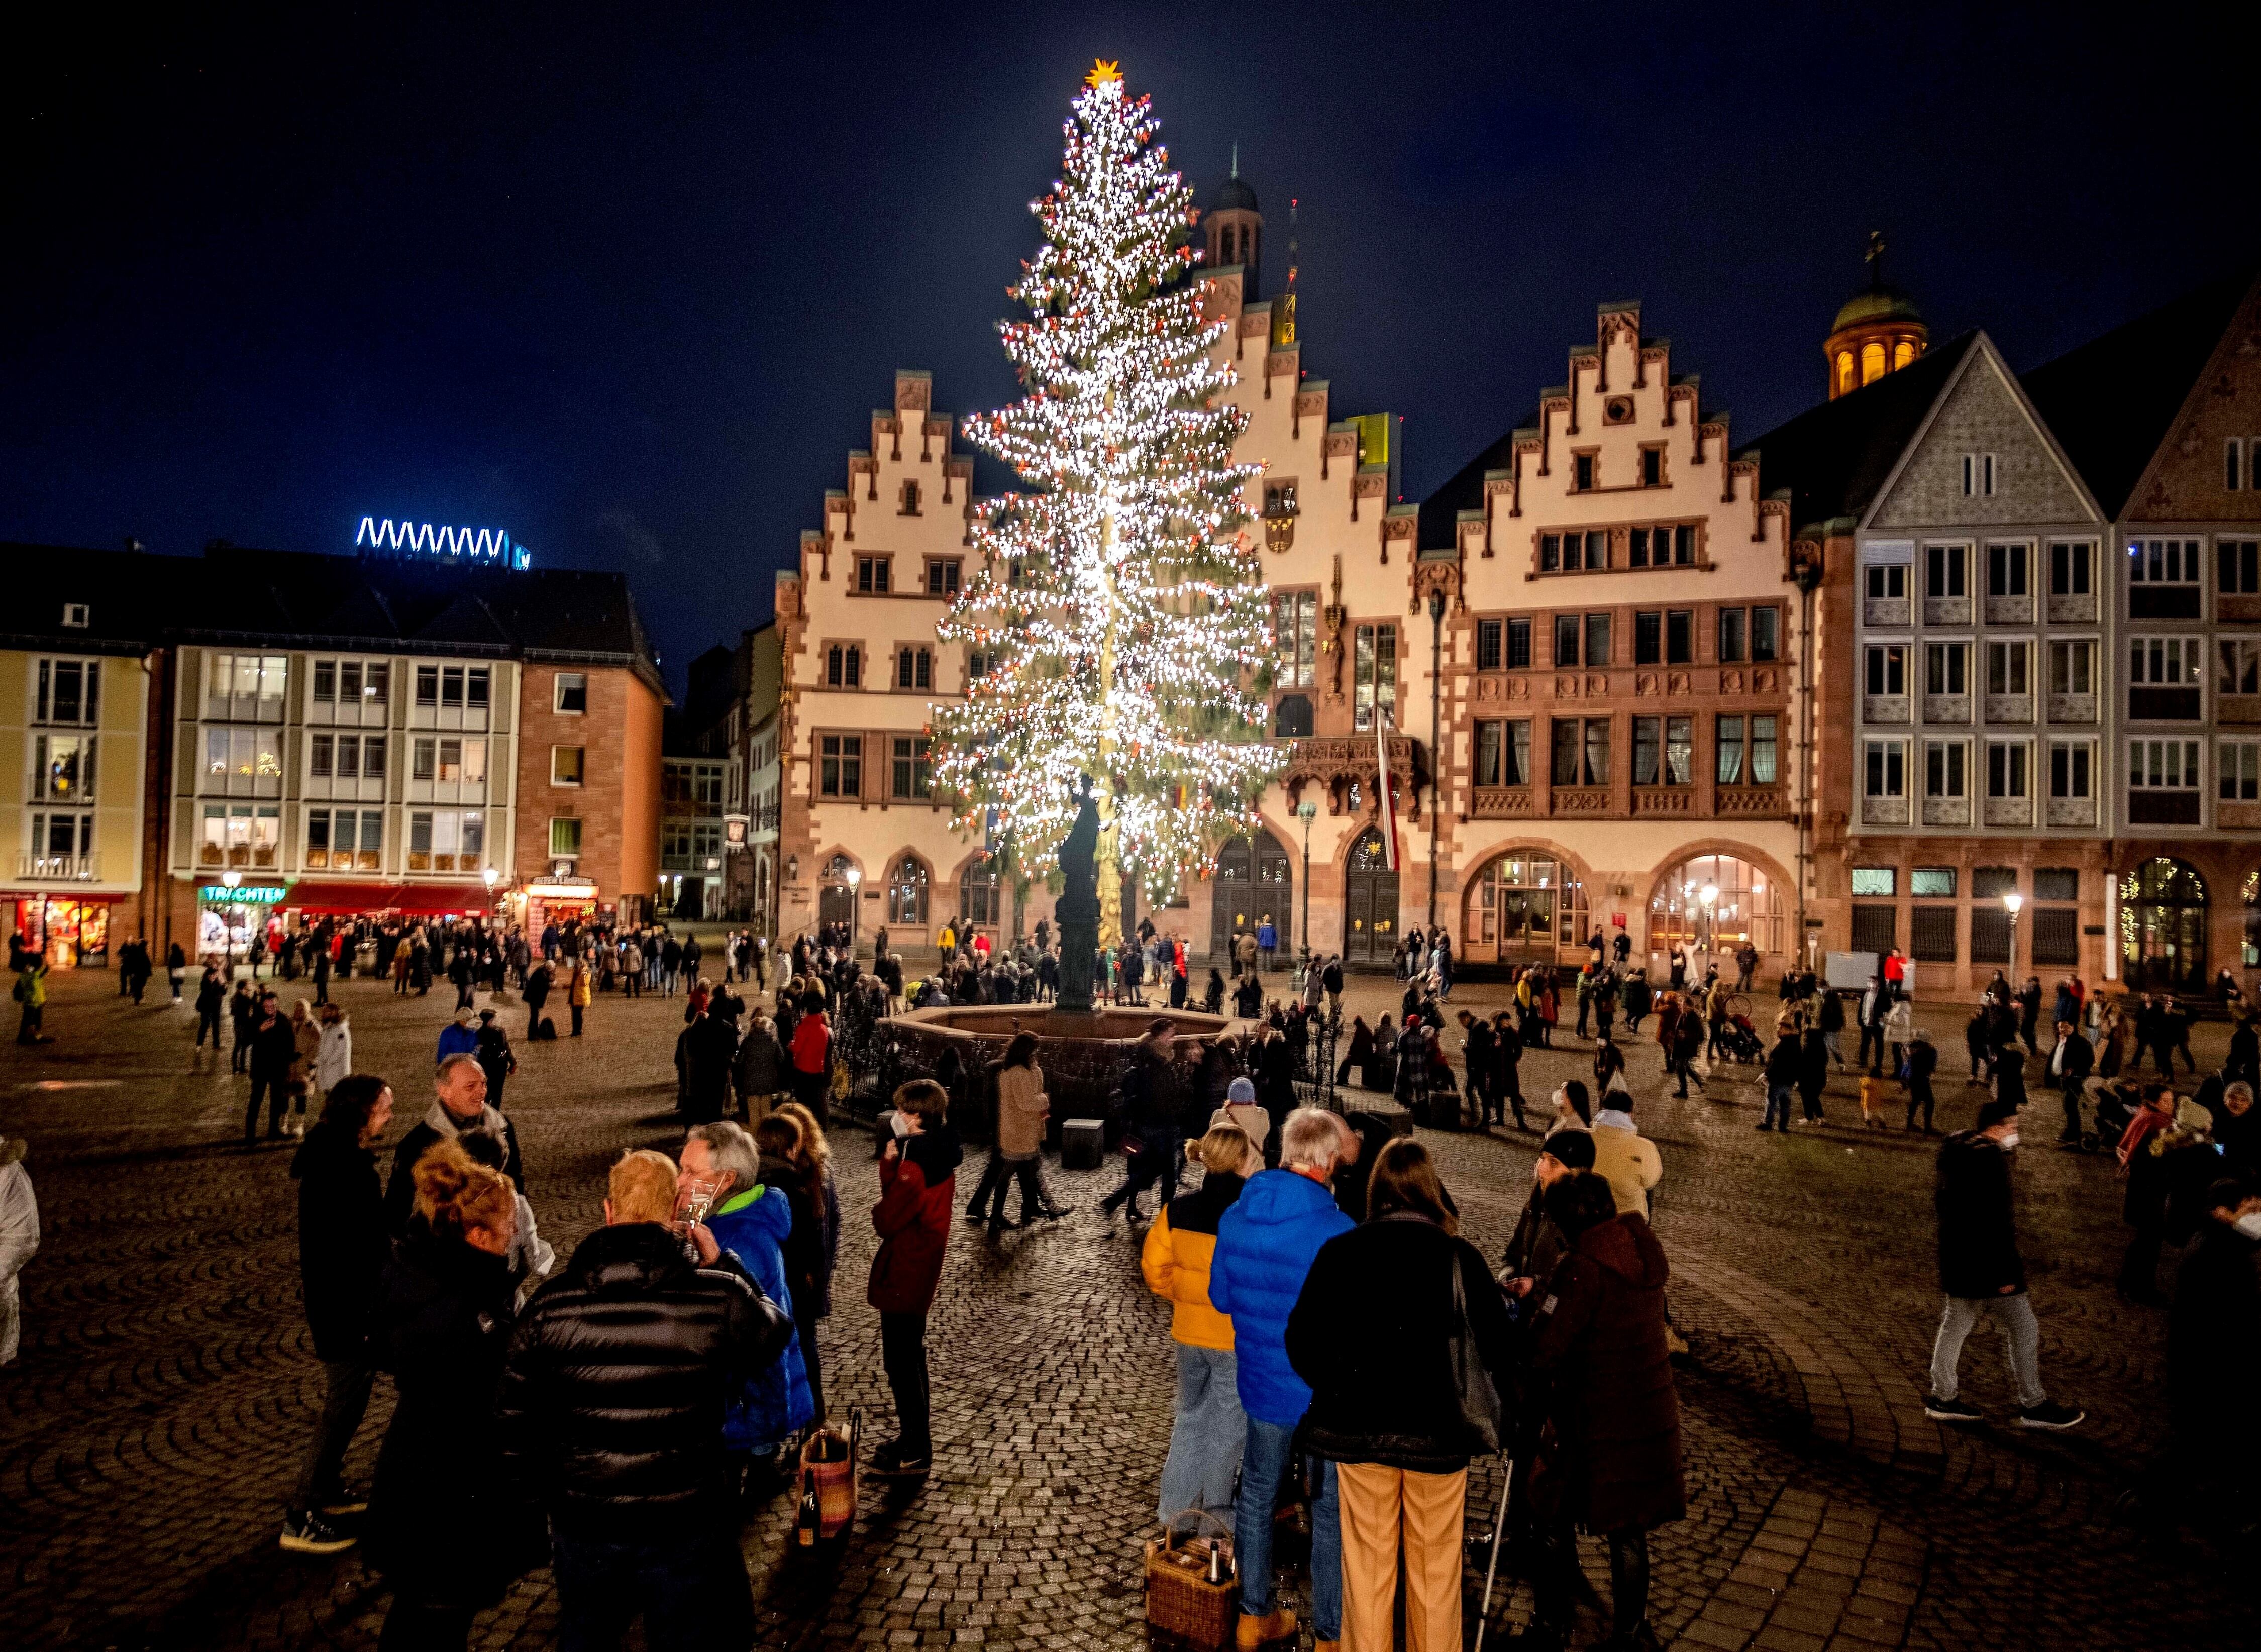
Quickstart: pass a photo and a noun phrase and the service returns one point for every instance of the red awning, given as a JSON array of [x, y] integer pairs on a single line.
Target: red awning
[[310, 894]]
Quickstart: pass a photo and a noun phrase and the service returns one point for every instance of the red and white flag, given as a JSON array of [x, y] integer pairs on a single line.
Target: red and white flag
[[1381, 786]]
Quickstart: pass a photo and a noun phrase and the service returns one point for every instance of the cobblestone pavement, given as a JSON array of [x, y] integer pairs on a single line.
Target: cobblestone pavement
[[167, 1386]]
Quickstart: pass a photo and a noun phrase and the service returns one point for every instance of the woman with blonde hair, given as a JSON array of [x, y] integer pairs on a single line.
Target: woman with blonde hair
[[1372, 1333], [813, 1248], [444, 1320], [1206, 1438], [306, 1036]]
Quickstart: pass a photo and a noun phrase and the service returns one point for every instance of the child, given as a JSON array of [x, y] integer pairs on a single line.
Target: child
[[1872, 1100]]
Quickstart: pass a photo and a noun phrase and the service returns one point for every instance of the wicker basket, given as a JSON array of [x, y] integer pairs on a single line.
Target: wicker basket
[[831, 1470], [1180, 1600]]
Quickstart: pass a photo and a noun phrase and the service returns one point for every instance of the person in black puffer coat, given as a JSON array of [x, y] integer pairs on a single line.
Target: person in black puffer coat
[[611, 1412], [1369, 1333], [445, 1528], [343, 1246]]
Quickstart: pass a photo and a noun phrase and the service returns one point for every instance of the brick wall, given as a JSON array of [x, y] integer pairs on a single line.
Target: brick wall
[[617, 802]]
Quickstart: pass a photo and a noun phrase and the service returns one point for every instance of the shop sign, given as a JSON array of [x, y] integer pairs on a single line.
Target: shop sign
[[220, 894], [733, 830]]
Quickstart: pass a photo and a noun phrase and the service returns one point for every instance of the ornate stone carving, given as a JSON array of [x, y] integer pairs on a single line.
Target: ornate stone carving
[[1566, 689], [1746, 801], [1337, 763], [1500, 802], [1279, 533], [1731, 682], [1644, 682], [1518, 688], [1664, 799], [1488, 687], [1581, 799]]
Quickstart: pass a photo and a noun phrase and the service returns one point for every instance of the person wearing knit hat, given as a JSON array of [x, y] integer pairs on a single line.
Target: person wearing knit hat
[[1981, 1272], [1240, 1109]]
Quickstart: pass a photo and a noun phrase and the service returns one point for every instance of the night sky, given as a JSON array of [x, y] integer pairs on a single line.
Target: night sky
[[628, 282]]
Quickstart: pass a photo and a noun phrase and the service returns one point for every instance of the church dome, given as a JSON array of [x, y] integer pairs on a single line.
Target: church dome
[[1232, 195], [1875, 305]]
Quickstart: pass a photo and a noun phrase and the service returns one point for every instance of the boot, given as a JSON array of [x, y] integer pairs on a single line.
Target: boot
[[1279, 1624]]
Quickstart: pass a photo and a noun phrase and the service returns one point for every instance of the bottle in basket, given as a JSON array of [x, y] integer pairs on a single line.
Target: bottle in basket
[[1216, 1573], [809, 1517]]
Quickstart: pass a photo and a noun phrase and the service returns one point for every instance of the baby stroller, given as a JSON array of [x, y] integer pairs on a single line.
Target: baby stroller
[[1741, 1040], [2115, 1110]]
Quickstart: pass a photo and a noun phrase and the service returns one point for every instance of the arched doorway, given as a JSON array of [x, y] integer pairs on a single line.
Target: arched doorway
[[835, 895], [2162, 908], [1744, 908], [1369, 902], [1521, 908], [1253, 882]]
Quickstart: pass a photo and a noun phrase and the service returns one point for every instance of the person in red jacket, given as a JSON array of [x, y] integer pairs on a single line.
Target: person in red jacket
[[918, 1189], [812, 1057]]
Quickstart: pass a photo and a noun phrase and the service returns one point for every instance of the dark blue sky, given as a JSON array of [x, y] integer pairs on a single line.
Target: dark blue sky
[[628, 285]]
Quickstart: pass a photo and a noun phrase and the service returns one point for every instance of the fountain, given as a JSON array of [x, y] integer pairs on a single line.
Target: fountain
[[1082, 1048]]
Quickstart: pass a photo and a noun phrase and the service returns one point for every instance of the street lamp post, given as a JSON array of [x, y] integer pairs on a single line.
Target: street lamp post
[[1436, 738], [2011, 903], [855, 876], [1307, 811]]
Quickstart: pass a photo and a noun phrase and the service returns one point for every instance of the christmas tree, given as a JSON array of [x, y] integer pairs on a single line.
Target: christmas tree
[[1121, 613]]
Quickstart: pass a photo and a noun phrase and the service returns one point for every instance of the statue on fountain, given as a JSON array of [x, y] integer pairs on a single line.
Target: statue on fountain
[[1077, 909]]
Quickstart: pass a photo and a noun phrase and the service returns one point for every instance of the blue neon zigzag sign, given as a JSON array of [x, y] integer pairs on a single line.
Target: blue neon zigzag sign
[[421, 539]]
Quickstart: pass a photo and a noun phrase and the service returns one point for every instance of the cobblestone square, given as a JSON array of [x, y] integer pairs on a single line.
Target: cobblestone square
[[167, 1388]]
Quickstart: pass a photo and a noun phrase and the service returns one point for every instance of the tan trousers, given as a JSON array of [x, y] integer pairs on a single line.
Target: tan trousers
[[1377, 1504]]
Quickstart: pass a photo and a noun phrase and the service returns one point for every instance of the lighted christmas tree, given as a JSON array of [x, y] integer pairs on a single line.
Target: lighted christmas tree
[[1123, 610]]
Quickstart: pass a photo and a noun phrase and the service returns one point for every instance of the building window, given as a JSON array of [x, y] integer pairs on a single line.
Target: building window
[[2163, 578], [977, 897], [1944, 773], [2237, 564], [1652, 467], [69, 691], [942, 576], [1886, 764], [63, 768], [1876, 880], [2163, 782], [1663, 751], [915, 668], [1730, 733], [317, 756], [844, 666], [1887, 672], [2070, 764], [1567, 627], [1582, 751], [565, 765], [2069, 568], [1295, 638], [1947, 668], [1581, 473], [1292, 720], [906, 885], [873, 574], [422, 759], [2072, 668], [564, 837], [1597, 639], [2006, 668], [1732, 632], [1503, 753], [1978, 476], [2233, 467], [910, 499], [1946, 571], [1519, 646], [428, 686], [1648, 639], [1935, 883], [913, 768], [246, 688], [1887, 581], [2238, 669], [2237, 771], [2163, 679], [840, 768], [1766, 634], [1280, 498], [2006, 768], [1490, 644], [2005, 571], [1374, 665], [572, 695]]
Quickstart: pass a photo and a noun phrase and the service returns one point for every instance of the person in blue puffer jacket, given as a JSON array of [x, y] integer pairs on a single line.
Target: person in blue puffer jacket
[[751, 1220], [1265, 1246]]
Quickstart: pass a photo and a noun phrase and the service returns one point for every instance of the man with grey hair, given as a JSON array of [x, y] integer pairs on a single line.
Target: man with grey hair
[[459, 1104], [721, 1186], [1266, 1242]]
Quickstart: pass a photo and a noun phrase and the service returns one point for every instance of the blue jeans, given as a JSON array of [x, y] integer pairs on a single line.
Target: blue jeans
[[691, 1590], [1206, 1439], [1777, 1108], [1266, 1462]]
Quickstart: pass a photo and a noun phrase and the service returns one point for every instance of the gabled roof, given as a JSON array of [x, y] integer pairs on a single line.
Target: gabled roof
[[1440, 511], [1833, 460], [2112, 401]]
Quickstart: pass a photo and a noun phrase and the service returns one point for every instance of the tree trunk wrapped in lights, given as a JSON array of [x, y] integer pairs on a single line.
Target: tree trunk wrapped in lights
[[1121, 613]]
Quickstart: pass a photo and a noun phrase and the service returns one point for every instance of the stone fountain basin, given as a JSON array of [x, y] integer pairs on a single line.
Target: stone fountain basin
[[1081, 1053]]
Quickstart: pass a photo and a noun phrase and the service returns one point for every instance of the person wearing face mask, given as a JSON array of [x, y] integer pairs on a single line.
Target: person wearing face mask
[[1981, 1272], [1573, 1108]]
